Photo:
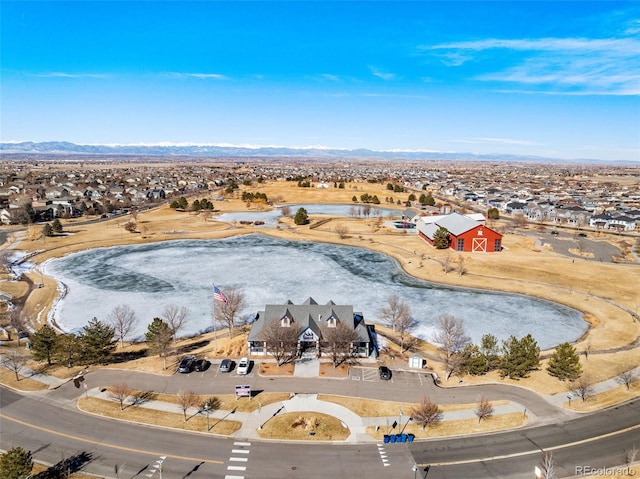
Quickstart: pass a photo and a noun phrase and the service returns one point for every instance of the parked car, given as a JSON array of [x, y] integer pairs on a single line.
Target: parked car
[[243, 366], [226, 365], [582, 235], [202, 365], [187, 364], [384, 372], [555, 233]]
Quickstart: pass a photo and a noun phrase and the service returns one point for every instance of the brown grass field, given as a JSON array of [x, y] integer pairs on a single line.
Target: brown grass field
[[605, 292]]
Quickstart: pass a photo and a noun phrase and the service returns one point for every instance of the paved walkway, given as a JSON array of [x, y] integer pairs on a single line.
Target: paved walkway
[[307, 368]]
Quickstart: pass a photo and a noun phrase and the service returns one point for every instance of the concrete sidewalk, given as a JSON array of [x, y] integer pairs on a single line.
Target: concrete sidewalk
[[253, 421]]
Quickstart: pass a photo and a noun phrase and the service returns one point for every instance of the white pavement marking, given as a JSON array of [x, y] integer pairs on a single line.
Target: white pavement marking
[[383, 455], [239, 459], [233, 477], [238, 443], [239, 451], [236, 468]]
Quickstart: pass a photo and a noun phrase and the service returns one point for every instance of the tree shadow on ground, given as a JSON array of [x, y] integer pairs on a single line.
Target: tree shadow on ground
[[128, 356], [66, 466]]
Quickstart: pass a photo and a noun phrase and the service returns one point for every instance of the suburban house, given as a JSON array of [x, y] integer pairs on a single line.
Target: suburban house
[[467, 233], [311, 318]]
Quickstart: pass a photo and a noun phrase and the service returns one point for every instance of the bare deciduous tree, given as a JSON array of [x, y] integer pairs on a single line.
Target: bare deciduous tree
[[15, 361], [547, 467], [338, 340], [281, 341], [342, 231], [484, 409], [461, 263], [227, 313], [631, 455], [582, 387], [426, 413], [176, 317], [123, 319], [285, 211], [450, 335], [186, 400], [392, 312], [445, 261], [119, 392], [627, 378], [5, 261]]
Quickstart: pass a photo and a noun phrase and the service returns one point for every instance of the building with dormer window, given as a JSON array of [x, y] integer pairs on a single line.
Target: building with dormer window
[[311, 319]]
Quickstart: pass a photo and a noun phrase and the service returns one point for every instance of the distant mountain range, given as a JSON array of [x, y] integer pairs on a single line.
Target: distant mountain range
[[63, 148]]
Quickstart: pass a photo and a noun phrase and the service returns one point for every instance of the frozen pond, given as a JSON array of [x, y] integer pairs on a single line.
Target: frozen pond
[[270, 218], [272, 271]]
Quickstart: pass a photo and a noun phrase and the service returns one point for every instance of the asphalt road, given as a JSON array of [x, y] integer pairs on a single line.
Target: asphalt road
[[404, 386], [51, 427], [52, 432]]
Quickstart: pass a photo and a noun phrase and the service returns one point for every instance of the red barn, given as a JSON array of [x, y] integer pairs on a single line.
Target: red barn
[[465, 233]]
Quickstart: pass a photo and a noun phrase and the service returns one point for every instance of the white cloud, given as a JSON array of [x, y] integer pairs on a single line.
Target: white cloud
[[68, 75], [606, 66], [331, 77], [380, 74], [201, 76]]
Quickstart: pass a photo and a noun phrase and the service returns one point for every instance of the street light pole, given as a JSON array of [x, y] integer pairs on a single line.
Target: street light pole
[[206, 410], [415, 470]]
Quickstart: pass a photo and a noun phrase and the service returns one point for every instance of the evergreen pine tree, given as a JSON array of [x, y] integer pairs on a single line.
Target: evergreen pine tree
[[441, 238], [98, 342], [16, 463], [520, 356], [565, 363], [43, 343], [301, 217]]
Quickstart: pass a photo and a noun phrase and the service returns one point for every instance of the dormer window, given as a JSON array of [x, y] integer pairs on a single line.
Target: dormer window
[[286, 320], [332, 321]]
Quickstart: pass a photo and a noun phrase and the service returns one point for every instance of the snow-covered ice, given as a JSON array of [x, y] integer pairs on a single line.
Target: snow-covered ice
[[271, 271]]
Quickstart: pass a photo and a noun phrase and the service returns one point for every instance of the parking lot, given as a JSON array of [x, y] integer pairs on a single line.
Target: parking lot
[[371, 374]]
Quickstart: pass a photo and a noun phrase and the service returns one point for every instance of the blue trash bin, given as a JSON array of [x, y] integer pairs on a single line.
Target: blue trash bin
[[403, 437], [410, 437], [398, 437], [392, 438], [386, 438]]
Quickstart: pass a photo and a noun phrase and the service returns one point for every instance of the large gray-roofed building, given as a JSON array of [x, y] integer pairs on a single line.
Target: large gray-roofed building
[[311, 318]]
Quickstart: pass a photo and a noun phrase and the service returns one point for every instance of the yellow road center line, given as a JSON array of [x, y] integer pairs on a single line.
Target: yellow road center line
[[535, 451], [105, 444]]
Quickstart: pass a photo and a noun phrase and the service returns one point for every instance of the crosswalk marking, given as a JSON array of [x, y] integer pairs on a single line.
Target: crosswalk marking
[[239, 459], [239, 451], [236, 468]]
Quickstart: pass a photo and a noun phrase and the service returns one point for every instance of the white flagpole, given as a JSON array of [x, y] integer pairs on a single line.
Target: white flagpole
[[215, 333]]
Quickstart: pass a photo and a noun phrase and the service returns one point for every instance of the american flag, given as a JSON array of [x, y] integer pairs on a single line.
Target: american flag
[[219, 295]]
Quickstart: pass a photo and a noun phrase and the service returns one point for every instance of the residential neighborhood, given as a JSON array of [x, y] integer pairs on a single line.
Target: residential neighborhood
[[598, 197]]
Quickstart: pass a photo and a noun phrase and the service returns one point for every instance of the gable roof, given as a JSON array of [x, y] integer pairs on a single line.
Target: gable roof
[[309, 315]]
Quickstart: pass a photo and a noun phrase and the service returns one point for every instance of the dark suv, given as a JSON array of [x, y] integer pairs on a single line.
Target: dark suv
[[187, 364], [385, 373]]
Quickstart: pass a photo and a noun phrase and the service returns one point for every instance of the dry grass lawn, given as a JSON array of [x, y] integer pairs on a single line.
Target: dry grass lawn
[[328, 370], [457, 427], [375, 408], [8, 378], [605, 399], [112, 410], [272, 369], [304, 426]]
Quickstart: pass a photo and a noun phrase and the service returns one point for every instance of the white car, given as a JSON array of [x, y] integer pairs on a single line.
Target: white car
[[243, 366]]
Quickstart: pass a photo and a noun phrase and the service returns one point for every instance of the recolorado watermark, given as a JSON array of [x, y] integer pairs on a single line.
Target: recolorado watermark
[[619, 471]]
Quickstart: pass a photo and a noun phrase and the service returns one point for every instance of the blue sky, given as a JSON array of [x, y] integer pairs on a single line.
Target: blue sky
[[552, 79]]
